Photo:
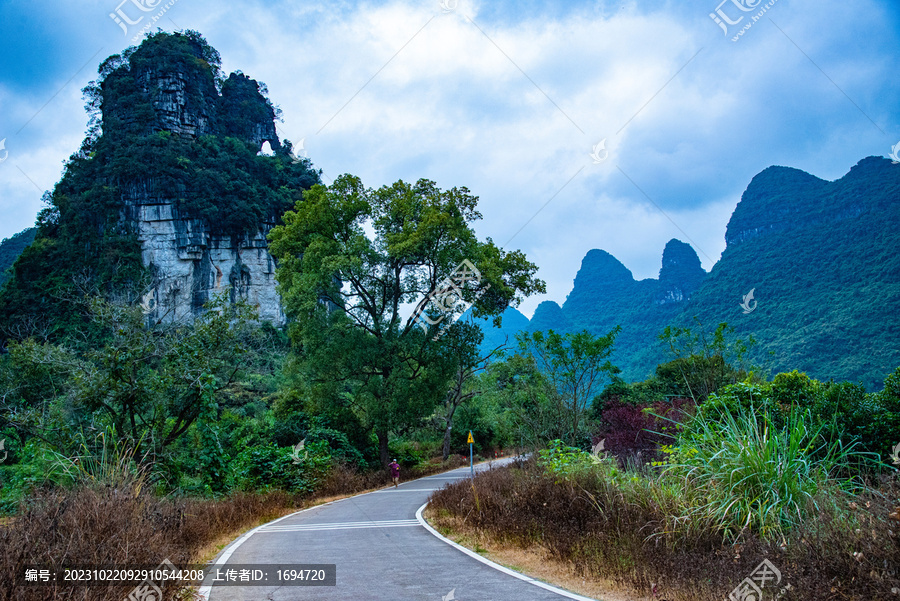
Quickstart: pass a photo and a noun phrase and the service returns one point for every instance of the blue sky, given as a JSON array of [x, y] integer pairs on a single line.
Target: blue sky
[[508, 99]]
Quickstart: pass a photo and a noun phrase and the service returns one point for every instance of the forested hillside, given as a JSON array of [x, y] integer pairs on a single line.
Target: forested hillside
[[11, 248], [820, 257]]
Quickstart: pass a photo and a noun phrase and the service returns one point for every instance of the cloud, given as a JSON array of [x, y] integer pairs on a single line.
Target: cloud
[[508, 98]]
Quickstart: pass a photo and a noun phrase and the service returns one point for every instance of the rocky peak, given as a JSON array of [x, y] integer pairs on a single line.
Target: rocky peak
[[783, 199], [170, 83], [598, 266], [680, 273]]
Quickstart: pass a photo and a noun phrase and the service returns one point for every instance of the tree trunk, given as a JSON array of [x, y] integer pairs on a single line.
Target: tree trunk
[[447, 440], [383, 447], [454, 403]]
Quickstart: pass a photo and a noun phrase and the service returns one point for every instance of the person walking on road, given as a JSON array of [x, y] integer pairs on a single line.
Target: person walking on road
[[395, 472]]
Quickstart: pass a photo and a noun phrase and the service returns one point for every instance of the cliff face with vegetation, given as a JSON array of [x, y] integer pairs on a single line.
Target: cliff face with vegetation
[[821, 258], [11, 248], [169, 201]]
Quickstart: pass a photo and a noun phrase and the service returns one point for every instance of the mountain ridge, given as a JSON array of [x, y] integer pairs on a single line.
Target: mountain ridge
[[820, 256]]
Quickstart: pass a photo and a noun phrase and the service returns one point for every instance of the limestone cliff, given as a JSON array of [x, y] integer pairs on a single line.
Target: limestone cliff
[[189, 263], [168, 199], [191, 258]]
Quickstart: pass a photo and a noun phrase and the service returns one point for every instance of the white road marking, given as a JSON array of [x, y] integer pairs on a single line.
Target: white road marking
[[407, 490], [497, 566], [340, 526]]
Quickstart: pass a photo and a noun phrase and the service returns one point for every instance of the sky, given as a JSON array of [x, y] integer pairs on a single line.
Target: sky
[[579, 125]]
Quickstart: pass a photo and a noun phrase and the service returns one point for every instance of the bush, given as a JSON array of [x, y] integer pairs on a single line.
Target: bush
[[745, 471], [408, 453], [271, 467], [35, 466], [634, 433]]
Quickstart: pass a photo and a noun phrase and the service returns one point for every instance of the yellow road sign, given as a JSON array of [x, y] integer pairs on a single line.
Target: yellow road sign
[[471, 440]]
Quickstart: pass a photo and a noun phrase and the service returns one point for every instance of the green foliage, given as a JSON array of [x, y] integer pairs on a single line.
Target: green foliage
[[704, 361], [562, 460], [153, 385], [879, 418], [574, 365], [745, 472], [346, 292], [26, 468], [844, 410], [526, 404], [271, 467]]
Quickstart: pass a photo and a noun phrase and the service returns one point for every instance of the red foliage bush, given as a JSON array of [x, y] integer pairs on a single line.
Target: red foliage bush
[[635, 432]]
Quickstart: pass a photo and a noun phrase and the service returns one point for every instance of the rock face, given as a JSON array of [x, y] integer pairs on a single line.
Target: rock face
[[190, 264], [189, 260]]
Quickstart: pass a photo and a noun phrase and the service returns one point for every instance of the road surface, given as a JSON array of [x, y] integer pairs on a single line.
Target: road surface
[[382, 551]]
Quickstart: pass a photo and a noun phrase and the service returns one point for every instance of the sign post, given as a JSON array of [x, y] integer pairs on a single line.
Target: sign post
[[471, 463]]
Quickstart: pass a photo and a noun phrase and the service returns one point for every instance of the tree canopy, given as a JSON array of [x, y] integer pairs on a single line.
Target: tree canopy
[[352, 261]]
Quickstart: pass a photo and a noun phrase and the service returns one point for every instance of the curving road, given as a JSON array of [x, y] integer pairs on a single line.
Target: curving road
[[382, 550]]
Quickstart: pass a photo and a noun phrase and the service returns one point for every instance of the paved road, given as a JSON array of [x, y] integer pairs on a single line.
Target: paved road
[[382, 552]]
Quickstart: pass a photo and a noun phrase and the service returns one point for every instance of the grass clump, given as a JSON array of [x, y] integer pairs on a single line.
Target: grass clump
[[744, 472]]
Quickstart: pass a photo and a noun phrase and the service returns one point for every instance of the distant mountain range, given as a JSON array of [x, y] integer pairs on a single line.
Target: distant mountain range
[[821, 258]]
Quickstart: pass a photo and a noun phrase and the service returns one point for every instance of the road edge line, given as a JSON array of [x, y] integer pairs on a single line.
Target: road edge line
[[205, 590], [220, 559], [497, 566]]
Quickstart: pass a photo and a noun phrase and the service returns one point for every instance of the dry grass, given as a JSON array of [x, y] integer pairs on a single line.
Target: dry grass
[[534, 561], [122, 524]]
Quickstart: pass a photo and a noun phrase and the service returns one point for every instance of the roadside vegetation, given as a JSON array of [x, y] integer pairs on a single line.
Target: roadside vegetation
[[696, 476], [128, 441]]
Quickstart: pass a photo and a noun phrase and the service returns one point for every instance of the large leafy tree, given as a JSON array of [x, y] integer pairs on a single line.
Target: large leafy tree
[[353, 260]]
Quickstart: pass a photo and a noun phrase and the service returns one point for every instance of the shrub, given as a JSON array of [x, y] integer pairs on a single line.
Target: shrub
[[270, 467], [634, 433], [747, 472]]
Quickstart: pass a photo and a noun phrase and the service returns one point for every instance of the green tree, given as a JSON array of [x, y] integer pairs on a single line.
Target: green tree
[[464, 347], [703, 362], [525, 400], [151, 385], [576, 365], [346, 292]]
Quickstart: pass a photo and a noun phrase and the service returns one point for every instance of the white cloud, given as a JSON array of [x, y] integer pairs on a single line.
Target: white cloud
[[452, 107]]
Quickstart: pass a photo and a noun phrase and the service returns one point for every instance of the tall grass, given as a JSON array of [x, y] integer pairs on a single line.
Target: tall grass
[[637, 530], [106, 461], [741, 472]]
